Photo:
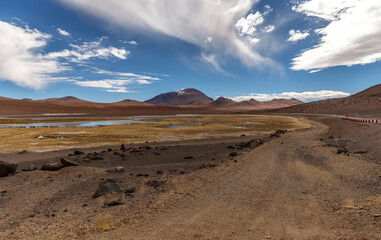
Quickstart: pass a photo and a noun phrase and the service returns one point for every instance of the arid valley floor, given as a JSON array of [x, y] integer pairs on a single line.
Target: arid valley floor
[[245, 184]]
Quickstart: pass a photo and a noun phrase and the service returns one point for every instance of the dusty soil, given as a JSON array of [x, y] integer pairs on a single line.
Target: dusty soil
[[294, 186]]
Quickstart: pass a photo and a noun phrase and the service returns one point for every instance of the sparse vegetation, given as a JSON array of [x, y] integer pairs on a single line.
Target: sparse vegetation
[[103, 223], [155, 129]]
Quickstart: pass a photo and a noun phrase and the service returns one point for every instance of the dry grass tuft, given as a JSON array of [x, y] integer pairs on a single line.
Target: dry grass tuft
[[103, 223]]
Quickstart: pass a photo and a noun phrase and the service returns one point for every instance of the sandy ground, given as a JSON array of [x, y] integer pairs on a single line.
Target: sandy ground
[[292, 187]]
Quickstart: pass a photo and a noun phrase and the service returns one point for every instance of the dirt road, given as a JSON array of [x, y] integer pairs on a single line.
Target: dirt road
[[289, 188]]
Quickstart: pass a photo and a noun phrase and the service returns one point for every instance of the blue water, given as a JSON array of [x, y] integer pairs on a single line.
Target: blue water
[[176, 126], [73, 124]]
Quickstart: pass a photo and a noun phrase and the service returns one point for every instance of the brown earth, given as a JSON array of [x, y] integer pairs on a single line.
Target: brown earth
[[365, 103], [292, 187]]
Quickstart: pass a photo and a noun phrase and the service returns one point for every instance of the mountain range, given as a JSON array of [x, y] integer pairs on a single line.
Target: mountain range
[[193, 101]]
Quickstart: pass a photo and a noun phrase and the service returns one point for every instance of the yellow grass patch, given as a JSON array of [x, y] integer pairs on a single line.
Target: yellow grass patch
[[155, 129], [103, 223]]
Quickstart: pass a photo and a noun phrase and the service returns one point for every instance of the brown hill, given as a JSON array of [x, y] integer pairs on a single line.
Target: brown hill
[[182, 97], [367, 102]]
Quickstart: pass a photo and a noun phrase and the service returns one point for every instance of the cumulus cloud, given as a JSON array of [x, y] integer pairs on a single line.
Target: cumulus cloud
[[89, 50], [297, 35], [351, 37], [63, 32], [248, 26], [19, 61], [117, 82], [303, 96], [191, 21]]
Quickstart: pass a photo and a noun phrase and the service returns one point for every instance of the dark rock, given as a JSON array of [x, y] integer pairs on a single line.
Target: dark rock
[[139, 175], [341, 150], [130, 191], [77, 152], [122, 148], [68, 163], [159, 172], [52, 166], [96, 158], [188, 157], [243, 135], [147, 148], [109, 150], [7, 168], [360, 152], [22, 152], [277, 133], [233, 154], [107, 187], [156, 183], [230, 147], [70, 155], [114, 203], [208, 165], [31, 167], [182, 172]]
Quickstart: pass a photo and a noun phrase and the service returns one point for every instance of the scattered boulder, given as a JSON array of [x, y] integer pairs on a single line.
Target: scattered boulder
[[7, 168], [107, 187], [130, 191], [156, 183], [341, 150], [233, 154], [31, 167], [96, 158], [230, 147], [118, 169], [188, 157], [22, 152], [159, 172], [277, 133], [52, 166], [122, 148], [68, 163], [114, 203], [360, 152], [77, 153], [208, 165]]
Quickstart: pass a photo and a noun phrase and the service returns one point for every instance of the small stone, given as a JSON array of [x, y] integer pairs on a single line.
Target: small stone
[[111, 185], [188, 157], [341, 150], [233, 154], [159, 172], [77, 152], [68, 163], [52, 166], [31, 167]]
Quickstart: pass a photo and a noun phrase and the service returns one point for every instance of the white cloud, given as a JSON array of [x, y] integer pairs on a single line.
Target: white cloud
[[19, 61], [352, 36], [63, 32], [131, 42], [303, 96], [191, 21], [89, 50], [117, 81], [297, 35], [247, 27]]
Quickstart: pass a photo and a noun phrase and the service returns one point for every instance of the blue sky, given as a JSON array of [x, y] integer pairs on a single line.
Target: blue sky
[[109, 50]]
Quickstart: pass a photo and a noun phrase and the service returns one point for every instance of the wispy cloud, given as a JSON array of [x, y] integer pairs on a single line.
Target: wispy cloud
[[297, 35], [63, 32], [191, 21], [303, 96], [88, 50], [352, 35], [117, 82]]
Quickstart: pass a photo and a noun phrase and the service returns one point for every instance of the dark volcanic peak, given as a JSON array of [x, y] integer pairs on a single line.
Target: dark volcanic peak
[[182, 97], [221, 101]]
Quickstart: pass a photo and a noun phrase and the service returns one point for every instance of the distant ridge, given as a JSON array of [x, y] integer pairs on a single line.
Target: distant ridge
[[180, 98], [367, 102]]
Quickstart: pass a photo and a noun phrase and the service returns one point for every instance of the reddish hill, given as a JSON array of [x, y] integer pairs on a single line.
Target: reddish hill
[[367, 102]]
